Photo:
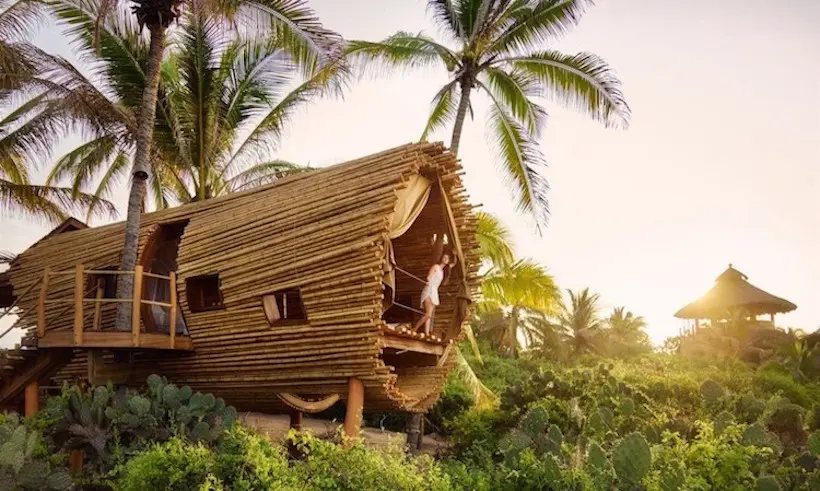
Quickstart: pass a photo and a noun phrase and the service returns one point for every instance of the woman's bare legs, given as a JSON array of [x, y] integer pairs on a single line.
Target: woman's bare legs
[[425, 319]]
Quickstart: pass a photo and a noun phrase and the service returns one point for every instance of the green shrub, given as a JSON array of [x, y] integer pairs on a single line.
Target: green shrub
[[774, 382], [175, 465], [20, 466]]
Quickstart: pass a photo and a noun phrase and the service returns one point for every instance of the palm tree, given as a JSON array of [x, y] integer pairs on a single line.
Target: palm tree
[[579, 321], [494, 241], [293, 24], [626, 332], [215, 88], [498, 50]]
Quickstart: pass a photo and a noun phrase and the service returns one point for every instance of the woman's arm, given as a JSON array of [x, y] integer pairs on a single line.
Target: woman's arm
[[431, 272]]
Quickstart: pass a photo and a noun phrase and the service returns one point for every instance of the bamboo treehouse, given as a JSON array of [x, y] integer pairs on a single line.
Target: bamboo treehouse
[[290, 296]]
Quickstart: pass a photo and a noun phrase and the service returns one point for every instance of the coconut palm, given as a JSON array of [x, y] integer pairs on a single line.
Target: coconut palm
[[579, 321], [215, 87], [498, 48], [295, 25], [626, 332], [494, 241], [291, 23]]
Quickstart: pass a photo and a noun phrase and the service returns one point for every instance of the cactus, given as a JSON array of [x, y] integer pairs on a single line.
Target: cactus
[[787, 423], [632, 459], [672, 480], [535, 421], [767, 483], [722, 421], [814, 443], [627, 406], [599, 468], [750, 407], [19, 468], [759, 436], [712, 392]]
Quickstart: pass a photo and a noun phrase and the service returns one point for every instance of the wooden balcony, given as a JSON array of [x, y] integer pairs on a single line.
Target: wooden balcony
[[87, 313]]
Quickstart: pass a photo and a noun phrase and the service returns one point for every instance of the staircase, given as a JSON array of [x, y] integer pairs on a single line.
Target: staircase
[[23, 364]]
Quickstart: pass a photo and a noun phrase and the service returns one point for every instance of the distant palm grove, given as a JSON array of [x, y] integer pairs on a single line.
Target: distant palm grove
[[186, 101]]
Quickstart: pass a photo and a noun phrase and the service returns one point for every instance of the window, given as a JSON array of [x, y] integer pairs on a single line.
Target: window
[[283, 306], [203, 293]]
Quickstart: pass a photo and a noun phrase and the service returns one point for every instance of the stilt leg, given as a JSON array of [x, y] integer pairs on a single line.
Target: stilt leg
[[296, 420], [355, 404], [414, 432], [32, 398]]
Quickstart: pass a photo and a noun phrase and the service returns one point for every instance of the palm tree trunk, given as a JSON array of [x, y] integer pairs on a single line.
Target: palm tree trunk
[[463, 105], [514, 332], [145, 133]]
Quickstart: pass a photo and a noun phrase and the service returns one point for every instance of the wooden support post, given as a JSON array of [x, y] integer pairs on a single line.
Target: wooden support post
[[414, 432], [41, 305], [95, 361], [79, 288], [135, 308], [296, 420], [32, 398], [355, 404], [772, 318], [95, 325], [172, 313]]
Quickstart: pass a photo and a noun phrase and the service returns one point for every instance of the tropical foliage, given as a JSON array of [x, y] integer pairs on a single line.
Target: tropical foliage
[[497, 48]]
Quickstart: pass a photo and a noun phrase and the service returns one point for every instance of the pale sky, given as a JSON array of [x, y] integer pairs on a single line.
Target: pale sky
[[720, 164]]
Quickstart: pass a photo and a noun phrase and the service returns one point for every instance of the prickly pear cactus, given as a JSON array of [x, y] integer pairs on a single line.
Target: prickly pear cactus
[[814, 443], [722, 421], [599, 468], [626, 406], [632, 459], [18, 466], [712, 392], [672, 480], [767, 483], [759, 436]]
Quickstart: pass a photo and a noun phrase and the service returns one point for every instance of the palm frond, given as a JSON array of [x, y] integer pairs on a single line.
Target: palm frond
[[525, 284], [520, 161], [494, 241], [7, 257], [446, 15], [401, 50], [582, 81], [264, 173], [484, 398], [515, 90], [48, 202], [444, 106], [536, 25], [473, 343], [19, 18]]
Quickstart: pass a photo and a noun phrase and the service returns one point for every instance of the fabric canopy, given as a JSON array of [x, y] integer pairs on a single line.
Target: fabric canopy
[[411, 201]]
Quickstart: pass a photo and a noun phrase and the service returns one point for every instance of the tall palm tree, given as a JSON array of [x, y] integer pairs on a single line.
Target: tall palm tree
[[626, 332], [497, 47], [580, 322], [291, 22], [215, 87]]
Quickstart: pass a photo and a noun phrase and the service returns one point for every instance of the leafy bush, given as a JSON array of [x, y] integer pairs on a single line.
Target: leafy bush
[[20, 465]]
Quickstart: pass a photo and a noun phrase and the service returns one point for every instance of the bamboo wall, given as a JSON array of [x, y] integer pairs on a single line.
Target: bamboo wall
[[320, 232]]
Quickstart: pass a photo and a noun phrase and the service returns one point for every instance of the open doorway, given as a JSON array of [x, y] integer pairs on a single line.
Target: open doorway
[[160, 257]]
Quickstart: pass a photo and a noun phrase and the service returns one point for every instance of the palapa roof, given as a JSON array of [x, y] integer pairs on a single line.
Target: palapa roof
[[732, 291]]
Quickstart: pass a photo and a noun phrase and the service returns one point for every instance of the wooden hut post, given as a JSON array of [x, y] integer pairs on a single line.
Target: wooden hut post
[[95, 325], [79, 288], [355, 404], [172, 312], [771, 316], [32, 398], [414, 432], [135, 308], [296, 420], [41, 305]]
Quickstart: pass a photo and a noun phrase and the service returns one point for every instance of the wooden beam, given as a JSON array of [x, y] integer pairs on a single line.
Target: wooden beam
[[172, 313], [135, 308], [32, 398], [95, 325], [400, 343], [772, 318], [304, 406], [112, 339], [79, 289], [42, 367], [355, 405], [41, 304]]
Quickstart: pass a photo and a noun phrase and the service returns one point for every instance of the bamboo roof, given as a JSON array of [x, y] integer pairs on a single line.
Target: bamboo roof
[[731, 292], [324, 233]]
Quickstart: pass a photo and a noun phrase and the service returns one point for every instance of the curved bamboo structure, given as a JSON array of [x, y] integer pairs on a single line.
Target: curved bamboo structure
[[280, 289]]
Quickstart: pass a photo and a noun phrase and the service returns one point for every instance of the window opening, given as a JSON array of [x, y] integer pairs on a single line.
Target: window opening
[[160, 257], [284, 305], [203, 293]]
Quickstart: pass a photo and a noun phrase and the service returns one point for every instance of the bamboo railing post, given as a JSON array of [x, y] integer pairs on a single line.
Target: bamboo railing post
[[135, 308], [41, 305], [78, 304], [95, 325], [172, 313]]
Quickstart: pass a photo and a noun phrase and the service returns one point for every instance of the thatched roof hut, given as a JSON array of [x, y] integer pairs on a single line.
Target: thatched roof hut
[[733, 293], [293, 289]]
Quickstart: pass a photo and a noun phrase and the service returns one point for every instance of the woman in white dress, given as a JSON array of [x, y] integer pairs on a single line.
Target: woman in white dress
[[429, 295]]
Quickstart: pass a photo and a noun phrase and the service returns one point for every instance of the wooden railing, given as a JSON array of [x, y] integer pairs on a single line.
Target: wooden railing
[[80, 301]]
